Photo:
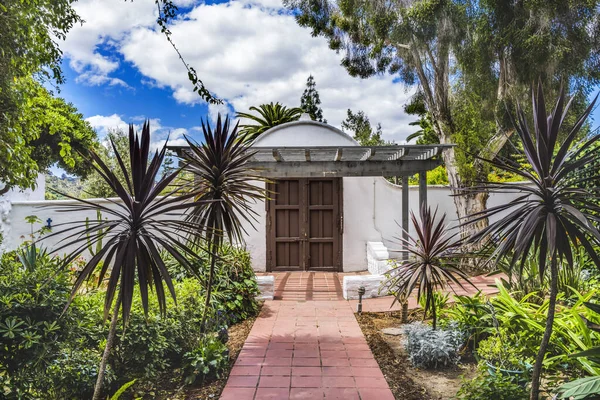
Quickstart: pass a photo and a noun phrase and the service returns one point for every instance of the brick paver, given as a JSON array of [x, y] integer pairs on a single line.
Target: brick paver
[[309, 346], [296, 286], [306, 350]]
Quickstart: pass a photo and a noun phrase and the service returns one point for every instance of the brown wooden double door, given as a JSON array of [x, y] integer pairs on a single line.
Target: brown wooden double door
[[304, 225]]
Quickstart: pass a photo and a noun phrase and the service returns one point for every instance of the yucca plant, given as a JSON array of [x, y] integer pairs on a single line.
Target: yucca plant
[[553, 213], [224, 190], [432, 262], [134, 231], [269, 115]]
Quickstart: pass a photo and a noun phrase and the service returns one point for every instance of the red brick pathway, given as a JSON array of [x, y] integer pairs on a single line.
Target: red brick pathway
[[306, 350], [310, 346]]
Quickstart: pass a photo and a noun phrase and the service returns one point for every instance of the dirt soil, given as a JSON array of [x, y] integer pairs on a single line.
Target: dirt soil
[[406, 382], [237, 336]]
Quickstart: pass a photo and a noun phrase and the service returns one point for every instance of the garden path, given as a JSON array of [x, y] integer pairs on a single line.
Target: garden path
[[307, 345]]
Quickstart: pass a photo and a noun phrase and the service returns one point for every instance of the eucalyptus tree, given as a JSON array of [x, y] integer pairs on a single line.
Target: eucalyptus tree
[[269, 115], [554, 215], [467, 58]]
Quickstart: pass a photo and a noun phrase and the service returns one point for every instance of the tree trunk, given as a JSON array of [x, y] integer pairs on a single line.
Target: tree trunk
[[536, 375], [466, 201], [213, 261], [110, 341], [404, 312]]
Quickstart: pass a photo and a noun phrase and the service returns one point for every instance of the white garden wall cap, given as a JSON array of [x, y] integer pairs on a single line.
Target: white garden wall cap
[[373, 285], [266, 286]]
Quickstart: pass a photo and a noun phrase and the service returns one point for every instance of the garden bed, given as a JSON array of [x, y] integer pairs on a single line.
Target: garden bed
[[237, 336], [405, 381]]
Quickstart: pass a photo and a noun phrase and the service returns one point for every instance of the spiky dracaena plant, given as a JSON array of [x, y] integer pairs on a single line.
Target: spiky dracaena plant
[[224, 190], [432, 262], [269, 115], [554, 214], [133, 232]]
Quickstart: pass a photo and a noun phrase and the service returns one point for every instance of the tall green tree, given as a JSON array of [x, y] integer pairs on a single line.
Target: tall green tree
[[492, 49], [310, 101], [358, 123], [115, 142], [47, 131], [30, 32], [269, 115]]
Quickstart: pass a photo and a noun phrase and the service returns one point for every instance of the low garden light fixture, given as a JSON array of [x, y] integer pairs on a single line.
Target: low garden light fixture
[[49, 223], [361, 293]]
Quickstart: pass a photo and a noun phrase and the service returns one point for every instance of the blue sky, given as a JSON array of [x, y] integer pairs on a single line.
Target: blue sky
[[121, 70]]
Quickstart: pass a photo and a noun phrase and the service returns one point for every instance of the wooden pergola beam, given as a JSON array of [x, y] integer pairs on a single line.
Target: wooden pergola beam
[[335, 169]]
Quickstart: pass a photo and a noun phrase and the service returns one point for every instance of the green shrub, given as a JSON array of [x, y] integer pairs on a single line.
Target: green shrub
[[73, 373], [234, 287], [153, 345], [496, 387], [502, 351], [472, 316], [208, 360], [45, 353], [35, 335], [521, 321]]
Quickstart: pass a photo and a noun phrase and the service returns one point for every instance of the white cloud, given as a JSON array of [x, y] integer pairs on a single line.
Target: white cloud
[[248, 52], [103, 124], [215, 109], [158, 133]]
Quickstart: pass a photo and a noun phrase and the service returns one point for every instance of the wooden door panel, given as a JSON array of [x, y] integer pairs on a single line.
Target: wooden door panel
[[287, 255], [323, 232], [304, 230], [284, 242], [287, 224], [322, 257]]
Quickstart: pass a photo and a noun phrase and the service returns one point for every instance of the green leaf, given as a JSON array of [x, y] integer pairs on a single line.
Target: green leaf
[[122, 390], [581, 388]]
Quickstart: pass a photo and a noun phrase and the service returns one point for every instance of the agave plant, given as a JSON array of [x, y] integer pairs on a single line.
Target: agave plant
[[269, 115], [224, 190], [133, 232], [432, 262], [553, 214]]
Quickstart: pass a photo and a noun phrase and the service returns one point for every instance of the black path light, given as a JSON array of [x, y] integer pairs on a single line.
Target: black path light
[[361, 293]]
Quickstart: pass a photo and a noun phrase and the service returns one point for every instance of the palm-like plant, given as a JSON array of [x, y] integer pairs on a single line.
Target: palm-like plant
[[431, 265], [269, 115], [133, 232], [554, 214], [223, 188]]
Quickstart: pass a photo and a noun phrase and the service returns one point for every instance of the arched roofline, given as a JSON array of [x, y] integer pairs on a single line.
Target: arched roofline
[[321, 125]]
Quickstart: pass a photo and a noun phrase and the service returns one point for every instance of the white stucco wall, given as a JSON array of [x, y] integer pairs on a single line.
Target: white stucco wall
[[372, 206], [6, 204]]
